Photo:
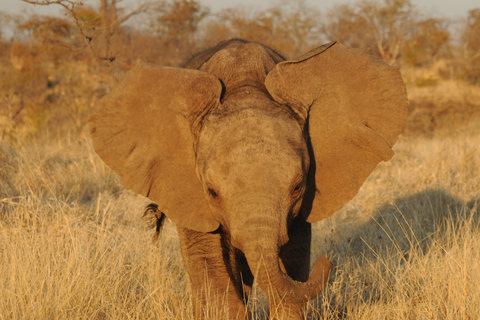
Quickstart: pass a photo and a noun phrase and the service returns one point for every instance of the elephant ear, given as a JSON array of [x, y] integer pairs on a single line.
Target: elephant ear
[[142, 130], [354, 107]]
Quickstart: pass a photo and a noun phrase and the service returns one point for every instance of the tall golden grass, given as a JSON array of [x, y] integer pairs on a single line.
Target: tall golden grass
[[73, 244]]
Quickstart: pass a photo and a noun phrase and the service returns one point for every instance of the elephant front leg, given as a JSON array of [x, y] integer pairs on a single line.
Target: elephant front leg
[[295, 261], [219, 275]]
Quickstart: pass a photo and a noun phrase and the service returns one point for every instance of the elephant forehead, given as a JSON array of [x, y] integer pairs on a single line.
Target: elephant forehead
[[252, 144], [248, 129], [242, 62]]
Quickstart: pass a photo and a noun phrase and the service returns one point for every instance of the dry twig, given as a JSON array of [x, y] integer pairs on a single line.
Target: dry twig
[[71, 5]]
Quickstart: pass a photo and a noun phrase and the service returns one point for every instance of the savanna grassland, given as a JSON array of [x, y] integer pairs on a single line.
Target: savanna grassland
[[74, 245]]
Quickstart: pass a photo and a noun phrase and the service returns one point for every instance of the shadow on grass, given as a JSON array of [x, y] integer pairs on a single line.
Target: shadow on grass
[[408, 221], [372, 251]]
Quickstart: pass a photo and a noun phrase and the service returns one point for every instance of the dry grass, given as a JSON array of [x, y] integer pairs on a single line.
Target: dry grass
[[441, 106], [407, 246], [73, 245]]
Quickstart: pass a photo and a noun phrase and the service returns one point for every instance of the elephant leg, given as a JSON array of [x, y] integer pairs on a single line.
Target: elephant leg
[[221, 280], [295, 261]]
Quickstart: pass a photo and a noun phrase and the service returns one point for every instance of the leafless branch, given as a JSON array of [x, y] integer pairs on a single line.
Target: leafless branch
[[142, 9], [70, 6]]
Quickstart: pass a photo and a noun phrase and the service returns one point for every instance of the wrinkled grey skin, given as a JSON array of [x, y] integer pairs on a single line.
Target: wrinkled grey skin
[[257, 205]]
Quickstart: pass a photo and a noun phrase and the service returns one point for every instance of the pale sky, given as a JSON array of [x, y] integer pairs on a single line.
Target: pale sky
[[446, 8]]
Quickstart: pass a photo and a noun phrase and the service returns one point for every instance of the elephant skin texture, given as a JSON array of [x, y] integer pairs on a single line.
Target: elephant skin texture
[[243, 150]]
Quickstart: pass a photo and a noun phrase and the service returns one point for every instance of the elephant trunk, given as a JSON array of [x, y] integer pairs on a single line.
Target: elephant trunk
[[264, 262]]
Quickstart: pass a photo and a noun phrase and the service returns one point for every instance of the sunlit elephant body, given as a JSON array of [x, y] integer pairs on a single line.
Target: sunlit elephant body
[[243, 150]]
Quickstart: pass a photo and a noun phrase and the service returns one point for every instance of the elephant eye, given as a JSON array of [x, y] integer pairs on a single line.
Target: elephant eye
[[213, 194], [298, 189]]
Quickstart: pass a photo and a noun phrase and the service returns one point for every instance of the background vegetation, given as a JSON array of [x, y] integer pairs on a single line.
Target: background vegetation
[[72, 241]]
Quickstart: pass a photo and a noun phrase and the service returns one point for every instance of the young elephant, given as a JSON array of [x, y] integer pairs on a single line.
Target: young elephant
[[243, 150]]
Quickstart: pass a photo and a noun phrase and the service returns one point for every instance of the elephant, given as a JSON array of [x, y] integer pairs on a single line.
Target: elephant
[[243, 150]]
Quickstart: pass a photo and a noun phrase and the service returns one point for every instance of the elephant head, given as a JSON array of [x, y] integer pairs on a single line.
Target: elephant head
[[248, 142]]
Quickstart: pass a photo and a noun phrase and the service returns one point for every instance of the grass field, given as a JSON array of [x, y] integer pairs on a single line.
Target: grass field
[[73, 244]]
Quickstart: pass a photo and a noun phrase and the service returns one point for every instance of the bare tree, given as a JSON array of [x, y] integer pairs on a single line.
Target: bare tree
[[175, 23], [291, 27], [388, 22], [343, 23], [381, 26], [471, 35], [111, 17], [471, 46], [427, 40], [296, 26]]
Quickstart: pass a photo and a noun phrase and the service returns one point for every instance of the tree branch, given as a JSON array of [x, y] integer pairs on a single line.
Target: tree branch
[[70, 5]]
